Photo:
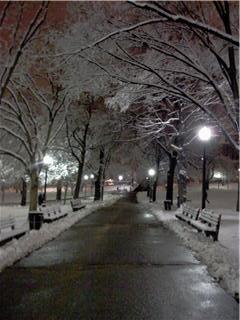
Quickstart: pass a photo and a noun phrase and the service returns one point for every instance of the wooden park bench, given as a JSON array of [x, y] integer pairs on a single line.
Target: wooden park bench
[[188, 214], [208, 222], [7, 223], [77, 204], [52, 213], [10, 228]]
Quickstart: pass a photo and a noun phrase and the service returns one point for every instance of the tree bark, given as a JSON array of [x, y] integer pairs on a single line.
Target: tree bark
[[59, 191], [154, 195], [65, 193], [98, 181], [3, 192], [79, 181], [33, 190], [170, 176], [23, 192], [155, 183], [182, 189]]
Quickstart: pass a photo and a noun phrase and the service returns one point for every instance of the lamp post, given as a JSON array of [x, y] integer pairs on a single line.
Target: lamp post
[[204, 135], [48, 161], [151, 173], [85, 179], [92, 183], [120, 178]]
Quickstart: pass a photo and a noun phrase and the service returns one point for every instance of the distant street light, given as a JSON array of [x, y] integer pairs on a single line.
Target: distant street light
[[47, 161], [204, 135], [120, 178], [151, 173], [218, 176]]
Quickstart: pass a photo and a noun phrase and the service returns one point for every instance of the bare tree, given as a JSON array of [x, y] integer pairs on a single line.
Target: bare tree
[[20, 36], [31, 117], [189, 51], [77, 131]]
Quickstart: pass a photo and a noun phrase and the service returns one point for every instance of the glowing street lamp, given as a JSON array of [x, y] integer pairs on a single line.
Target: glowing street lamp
[[151, 173], [47, 161], [218, 176], [120, 178], [85, 177], [204, 134]]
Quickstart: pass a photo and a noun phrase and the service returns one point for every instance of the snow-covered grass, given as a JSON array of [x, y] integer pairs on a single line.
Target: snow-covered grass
[[17, 249], [221, 257]]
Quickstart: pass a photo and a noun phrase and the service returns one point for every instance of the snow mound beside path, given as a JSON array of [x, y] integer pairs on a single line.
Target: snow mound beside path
[[17, 249], [220, 263]]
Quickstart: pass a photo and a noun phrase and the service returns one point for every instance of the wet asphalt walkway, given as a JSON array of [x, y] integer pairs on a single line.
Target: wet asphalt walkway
[[117, 263]]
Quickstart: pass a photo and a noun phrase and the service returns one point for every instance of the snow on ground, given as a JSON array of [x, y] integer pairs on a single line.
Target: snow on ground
[[221, 257], [17, 249]]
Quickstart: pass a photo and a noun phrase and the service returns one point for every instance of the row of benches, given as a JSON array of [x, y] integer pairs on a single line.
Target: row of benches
[[10, 228], [203, 220]]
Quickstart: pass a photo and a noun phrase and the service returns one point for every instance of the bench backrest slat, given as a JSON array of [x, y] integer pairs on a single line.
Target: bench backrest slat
[[7, 222], [210, 217], [51, 211], [76, 202], [190, 212]]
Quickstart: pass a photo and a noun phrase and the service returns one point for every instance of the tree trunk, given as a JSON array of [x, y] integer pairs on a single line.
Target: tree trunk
[[97, 193], [170, 176], [155, 183], [98, 181], [79, 181], [23, 192], [59, 191], [102, 185], [65, 193], [3, 192], [182, 188], [207, 184], [33, 190]]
